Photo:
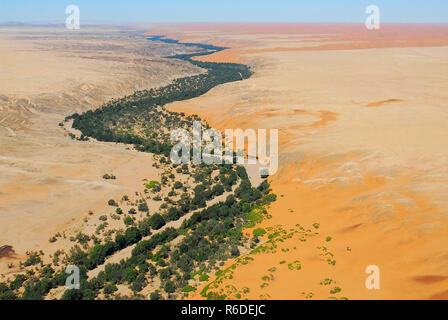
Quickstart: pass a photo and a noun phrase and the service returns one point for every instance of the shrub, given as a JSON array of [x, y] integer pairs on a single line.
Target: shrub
[[170, 287], [270, 198], [264, 186], [110, 288], [154, 296], [165, 274], [203, 277], [128, 221], [151, 184], [156, 221], [178, 185], [98, 254], [32, 260], [253, 217], [120, 241], [75, 295], [18, 282], [218, 190], [143, 207], [144, 227], [235, 252], [335, 290], [37, 289], [132, 235], [174, 214], [6, 293], [188, 288], [130, 275], [259, 232]]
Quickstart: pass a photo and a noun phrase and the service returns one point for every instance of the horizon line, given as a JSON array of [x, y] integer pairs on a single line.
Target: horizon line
[[112, 23]]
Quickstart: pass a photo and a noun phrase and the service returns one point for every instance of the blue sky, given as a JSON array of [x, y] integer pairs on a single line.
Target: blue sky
[[109, 11]]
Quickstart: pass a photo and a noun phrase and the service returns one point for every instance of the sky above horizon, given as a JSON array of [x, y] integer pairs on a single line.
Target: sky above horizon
[[141, 11]]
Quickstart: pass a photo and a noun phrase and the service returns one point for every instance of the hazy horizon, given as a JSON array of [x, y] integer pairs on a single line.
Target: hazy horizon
[[250, 11]]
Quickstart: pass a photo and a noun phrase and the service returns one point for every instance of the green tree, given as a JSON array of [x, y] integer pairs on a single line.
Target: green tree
[[72, 294], [110, 288], [132, 235], [157, 221], [170, 287], [154, 296]]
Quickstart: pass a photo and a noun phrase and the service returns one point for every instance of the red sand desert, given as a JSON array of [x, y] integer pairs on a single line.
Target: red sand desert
[[362, 119]]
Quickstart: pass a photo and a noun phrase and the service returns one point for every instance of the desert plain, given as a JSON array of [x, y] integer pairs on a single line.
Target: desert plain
[[49, 181], [362, 119]]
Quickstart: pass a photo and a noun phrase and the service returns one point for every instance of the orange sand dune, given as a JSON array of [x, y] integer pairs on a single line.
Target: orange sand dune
[[356, 186], [346, 30], [349, 214], [326, 36]]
